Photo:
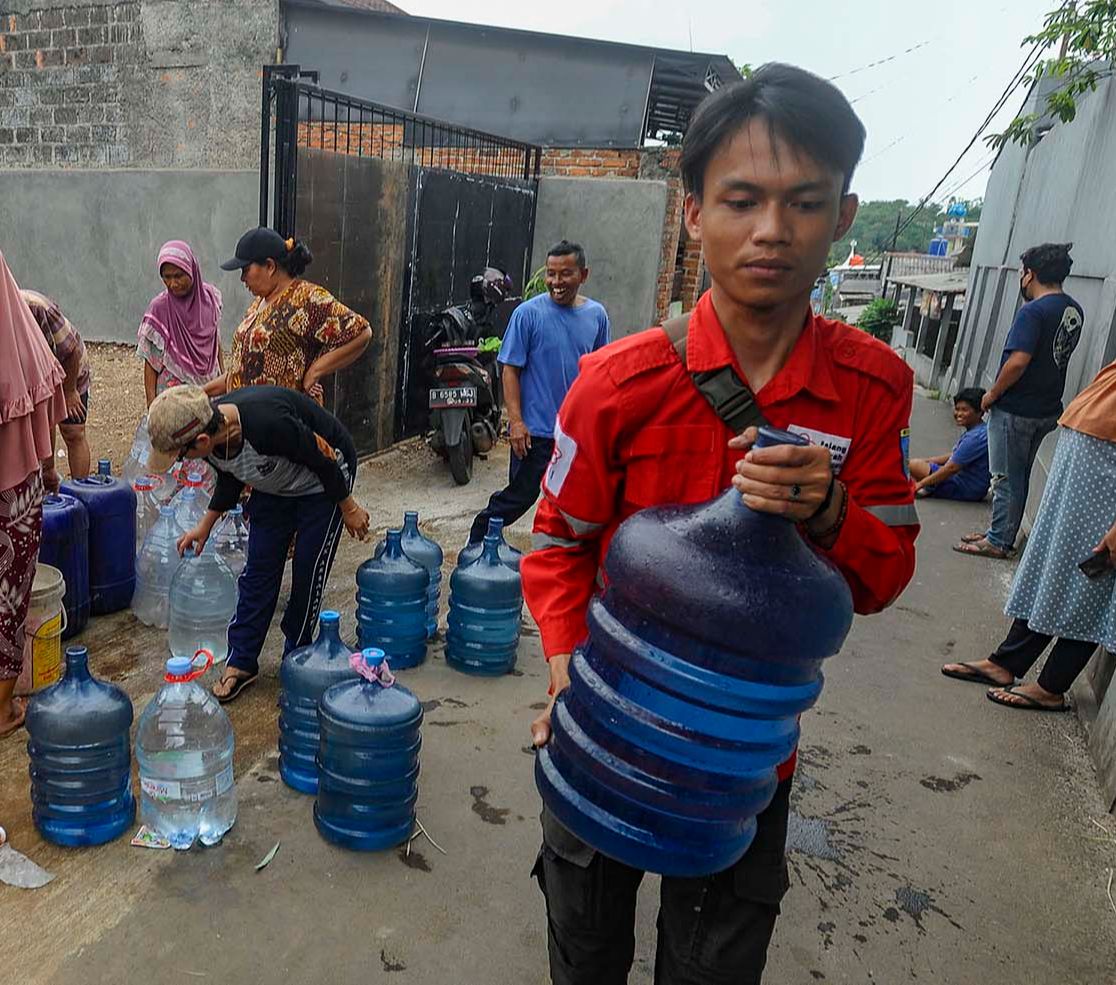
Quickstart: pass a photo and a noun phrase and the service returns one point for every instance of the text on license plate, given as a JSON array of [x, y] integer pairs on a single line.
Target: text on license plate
[[453, 396]]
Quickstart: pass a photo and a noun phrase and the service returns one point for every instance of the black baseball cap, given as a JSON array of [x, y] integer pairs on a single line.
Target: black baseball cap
[[256, 246]]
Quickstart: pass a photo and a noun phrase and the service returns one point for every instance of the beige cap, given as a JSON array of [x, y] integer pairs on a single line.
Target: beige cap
[[176, 417]]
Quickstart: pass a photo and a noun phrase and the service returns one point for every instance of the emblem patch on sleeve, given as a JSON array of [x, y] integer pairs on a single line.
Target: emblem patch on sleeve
[[905, 450]]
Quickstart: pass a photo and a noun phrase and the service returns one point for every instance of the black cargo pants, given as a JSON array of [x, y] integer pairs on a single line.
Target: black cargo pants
[[711, 930]]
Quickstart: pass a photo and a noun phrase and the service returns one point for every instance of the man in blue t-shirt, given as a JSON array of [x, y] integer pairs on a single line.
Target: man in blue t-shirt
[[546, 338], [1025, 402], [963, 473]]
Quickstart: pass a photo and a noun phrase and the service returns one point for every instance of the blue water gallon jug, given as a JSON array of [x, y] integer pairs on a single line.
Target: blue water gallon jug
[[200, 605], [155, 568], [304, 676], [112, 537], [508, 554], [184, 750], [392, 604], [483, 627], [65, 546], [81, 762], [705, 647], [424, 551], [368, 758]]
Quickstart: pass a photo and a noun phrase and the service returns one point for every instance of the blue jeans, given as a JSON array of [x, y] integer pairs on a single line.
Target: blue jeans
[[1013, 443]]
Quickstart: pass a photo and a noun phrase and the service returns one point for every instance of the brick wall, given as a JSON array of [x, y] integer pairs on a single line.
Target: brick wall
[[589, 162], [142, 83], [62, 72]]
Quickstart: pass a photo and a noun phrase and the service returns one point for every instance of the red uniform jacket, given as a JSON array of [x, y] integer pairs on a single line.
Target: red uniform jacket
[[634, 432]]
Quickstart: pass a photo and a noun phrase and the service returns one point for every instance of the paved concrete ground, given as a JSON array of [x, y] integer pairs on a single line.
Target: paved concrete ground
[[935, 837]]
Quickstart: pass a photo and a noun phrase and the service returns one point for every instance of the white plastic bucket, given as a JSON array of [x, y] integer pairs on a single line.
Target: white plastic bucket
[[46, 621]]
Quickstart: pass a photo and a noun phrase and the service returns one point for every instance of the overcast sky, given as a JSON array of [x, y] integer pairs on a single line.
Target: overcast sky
[[920, 108]]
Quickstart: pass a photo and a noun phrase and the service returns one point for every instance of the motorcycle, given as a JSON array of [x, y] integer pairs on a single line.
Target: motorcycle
[[465, 395]]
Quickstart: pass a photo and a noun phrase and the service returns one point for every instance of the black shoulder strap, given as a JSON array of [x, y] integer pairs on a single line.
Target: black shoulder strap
[[729, 396]]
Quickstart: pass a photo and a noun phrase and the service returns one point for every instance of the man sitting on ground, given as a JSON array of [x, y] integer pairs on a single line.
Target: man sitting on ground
[[962, 474]]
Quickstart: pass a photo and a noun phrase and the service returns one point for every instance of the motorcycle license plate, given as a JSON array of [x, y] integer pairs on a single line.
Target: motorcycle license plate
[[453, 396]]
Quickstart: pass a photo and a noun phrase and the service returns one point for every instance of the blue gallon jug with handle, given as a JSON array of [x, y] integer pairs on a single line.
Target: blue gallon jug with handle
[[391, 604], [304, 676], [65, 546], [508, 554], [703, 650], [422, 550], [486, 598], [368, 758], [111, 503], [81, 762]]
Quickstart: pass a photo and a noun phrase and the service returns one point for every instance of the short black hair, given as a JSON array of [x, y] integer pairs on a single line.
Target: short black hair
[[567, 249], [1050, 262], [971, 395], [807, 112]]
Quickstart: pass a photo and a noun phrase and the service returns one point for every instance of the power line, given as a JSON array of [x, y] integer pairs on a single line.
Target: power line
[[880, 61], [1016, 81]]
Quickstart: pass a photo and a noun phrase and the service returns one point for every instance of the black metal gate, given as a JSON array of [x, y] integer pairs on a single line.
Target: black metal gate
[[400, 211]]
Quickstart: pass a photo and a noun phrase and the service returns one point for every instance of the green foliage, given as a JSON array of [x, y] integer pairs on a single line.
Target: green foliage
[[536, 285], [879, 318], [1088, 31], [874, 227]]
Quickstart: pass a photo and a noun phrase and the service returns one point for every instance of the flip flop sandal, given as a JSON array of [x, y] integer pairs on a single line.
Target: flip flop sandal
[[973, 549], [973, 537], [240, 684], [975, 676], [1028, 703]]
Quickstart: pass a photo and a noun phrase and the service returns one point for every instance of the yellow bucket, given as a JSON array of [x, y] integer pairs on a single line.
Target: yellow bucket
[[46, 621]]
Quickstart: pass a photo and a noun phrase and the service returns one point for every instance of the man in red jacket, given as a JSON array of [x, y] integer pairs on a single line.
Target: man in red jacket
[[767, 165]]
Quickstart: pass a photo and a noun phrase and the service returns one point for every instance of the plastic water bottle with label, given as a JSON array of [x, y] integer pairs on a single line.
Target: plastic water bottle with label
[[184, 747]]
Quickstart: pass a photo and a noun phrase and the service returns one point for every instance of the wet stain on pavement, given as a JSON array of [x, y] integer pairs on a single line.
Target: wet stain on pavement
[[826, 929], [538, 706], [456, 721], [484, 810], [916, 902], [817, 975], [265, 778], [515, 673], [391, 964], [860, 751], [413, 859], [435, 703], [940, 784], [810, 836]]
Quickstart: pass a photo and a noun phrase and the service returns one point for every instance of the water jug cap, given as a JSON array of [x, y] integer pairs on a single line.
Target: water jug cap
[[495, 524], [183, 669], [393, 540], [237, 510], [768, 437], [411, 515], [194, 479], [372, 665], [104, 467], [145, 483], [329, 615], [166, 510]]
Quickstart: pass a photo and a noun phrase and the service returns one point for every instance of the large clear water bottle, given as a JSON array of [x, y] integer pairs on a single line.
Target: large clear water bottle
[[508, 554], [155, 568], [146, 488], [368, 758], [304, 676], [81, 763], [702, 652], [483, 625], [136, 465], [184, 748], [190, 503], [392, 604], [202, 601], [229, 540]]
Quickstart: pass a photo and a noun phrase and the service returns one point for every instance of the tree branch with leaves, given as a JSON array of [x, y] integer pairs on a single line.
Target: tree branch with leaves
[[1085, 33]]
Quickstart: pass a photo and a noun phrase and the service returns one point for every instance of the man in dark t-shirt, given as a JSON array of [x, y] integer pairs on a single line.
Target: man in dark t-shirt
[[1025, 402]]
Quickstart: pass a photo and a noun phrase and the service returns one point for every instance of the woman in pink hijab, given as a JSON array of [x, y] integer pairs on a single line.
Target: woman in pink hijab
[[31, 403], [178, 337]]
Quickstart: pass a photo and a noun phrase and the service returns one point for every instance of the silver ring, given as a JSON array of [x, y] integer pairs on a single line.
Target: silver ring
[[796, 491]]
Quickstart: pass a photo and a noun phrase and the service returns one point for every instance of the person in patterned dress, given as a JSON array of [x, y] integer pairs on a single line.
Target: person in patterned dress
[[295, 333]]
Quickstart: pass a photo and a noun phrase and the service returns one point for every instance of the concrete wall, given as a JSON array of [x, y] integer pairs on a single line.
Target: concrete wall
[[157, 83], [89, 238], [1059, 190], [620, 224]]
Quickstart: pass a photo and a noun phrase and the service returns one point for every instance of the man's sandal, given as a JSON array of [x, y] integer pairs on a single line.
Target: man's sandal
[[239, 680]]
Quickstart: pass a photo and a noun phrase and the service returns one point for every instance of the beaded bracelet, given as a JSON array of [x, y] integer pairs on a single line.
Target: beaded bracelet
[[839, 522]]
